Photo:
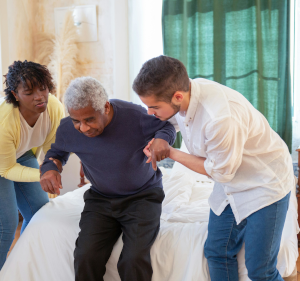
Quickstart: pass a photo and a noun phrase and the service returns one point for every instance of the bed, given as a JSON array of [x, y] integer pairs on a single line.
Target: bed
[[45, 249]]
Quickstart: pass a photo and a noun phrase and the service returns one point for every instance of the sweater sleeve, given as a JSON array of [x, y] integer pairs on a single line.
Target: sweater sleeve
[[56, 151], [153, 127], [9, 168]]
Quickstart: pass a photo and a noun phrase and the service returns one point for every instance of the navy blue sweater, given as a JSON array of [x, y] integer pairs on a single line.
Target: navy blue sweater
[[114, 161]]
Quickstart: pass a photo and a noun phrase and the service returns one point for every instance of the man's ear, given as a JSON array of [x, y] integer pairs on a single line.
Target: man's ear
[[177, 97], [107, 107]]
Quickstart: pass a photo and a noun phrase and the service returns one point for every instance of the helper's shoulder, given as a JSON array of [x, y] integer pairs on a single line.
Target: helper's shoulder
[[65, 125], [54, 105], [212, 91], [219, 100]]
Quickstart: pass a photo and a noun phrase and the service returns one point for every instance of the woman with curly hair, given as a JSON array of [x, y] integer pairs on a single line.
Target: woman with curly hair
[[29, 117]]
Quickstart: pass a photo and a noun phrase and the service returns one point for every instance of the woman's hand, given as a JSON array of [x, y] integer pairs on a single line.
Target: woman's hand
[[58, 164]]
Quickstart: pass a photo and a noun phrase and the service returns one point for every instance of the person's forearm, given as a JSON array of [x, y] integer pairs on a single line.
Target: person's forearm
[[190, 161], [20, 173]]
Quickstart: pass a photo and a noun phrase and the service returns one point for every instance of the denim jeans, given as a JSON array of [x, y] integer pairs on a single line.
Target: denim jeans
[[261, 232], [28, 197]]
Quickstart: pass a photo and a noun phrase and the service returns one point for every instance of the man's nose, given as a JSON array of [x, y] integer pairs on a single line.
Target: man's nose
[[84, 128], [150, 111]]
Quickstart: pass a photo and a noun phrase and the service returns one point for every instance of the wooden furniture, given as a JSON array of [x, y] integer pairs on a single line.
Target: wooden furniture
[[298, 194], [82, 177], [298, 165]]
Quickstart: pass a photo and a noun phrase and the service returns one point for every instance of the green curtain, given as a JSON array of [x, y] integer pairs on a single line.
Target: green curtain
[[243, 44], [178, 140]]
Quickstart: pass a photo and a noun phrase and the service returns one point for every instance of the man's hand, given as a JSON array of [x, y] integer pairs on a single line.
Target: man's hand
[[157, 150], [51, 182], [147, 151]]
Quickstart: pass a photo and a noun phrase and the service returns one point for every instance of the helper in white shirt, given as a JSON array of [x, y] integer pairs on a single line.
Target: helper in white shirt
[[231, 142]]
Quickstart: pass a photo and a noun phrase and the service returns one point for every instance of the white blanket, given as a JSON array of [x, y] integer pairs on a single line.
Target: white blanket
[[45, 249]]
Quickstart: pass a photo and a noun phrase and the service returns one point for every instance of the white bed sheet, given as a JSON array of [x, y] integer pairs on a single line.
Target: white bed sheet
[[45, 249]]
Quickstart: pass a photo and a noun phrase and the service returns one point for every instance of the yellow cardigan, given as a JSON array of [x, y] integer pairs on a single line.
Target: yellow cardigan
[[10, 140]]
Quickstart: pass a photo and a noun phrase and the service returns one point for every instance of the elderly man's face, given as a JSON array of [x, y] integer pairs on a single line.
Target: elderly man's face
[[89, 121]]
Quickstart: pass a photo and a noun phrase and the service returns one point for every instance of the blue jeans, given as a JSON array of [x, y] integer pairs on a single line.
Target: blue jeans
[[261, 232], [28, 197]]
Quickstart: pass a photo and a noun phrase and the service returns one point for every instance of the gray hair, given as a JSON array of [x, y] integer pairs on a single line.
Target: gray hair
[[85, 91]]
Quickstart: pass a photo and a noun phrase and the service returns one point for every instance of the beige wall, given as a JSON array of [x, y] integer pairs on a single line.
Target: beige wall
[[4, 38], [95, 58], [106, 60]]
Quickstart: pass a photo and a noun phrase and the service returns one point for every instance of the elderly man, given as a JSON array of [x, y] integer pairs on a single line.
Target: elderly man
[[126, 192]]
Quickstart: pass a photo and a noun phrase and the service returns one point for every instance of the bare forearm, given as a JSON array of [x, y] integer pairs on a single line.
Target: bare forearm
[[192, 162]]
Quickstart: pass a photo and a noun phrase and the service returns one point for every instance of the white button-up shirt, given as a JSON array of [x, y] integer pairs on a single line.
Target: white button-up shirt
[[249, 162]]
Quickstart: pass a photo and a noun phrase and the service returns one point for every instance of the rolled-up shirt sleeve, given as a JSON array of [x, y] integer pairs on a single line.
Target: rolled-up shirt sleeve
[[225, 139]]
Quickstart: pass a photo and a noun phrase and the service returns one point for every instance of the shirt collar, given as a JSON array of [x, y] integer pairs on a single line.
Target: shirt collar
[[194, 100]]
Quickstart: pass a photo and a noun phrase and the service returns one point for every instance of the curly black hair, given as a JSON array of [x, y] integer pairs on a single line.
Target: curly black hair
[[26, 72]]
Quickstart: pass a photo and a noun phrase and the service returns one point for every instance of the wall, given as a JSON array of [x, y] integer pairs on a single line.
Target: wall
[[145, 36], [4, 45], [95, 58], [106, 60]]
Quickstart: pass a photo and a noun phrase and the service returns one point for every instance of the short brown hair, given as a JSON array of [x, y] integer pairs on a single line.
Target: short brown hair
[[161, 76]]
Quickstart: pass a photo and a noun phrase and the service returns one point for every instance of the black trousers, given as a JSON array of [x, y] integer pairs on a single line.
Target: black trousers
[[102, 222]]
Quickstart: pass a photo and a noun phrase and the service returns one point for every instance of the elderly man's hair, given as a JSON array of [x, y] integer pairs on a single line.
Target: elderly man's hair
[[85, 91]]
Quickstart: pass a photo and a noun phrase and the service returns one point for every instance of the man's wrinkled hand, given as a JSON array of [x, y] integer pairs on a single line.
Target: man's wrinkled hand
[[147, 151], [51, 182], [157, 150]]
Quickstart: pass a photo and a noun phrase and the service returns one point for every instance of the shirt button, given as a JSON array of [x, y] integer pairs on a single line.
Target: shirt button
[[187, 125], [228, 194]]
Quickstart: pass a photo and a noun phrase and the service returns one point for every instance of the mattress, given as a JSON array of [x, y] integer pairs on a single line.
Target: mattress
[[45, 249]]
